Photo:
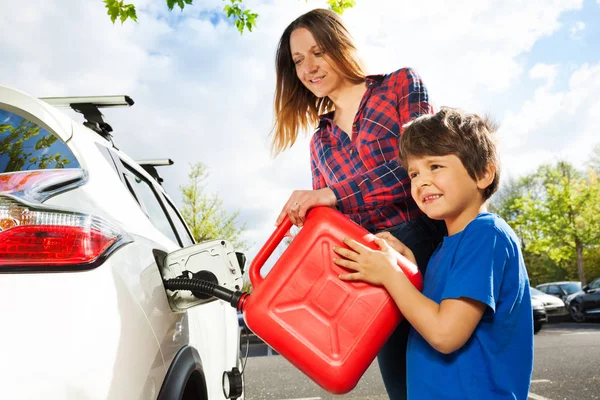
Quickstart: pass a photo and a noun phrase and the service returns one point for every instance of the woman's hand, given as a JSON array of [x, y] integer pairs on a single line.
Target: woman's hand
[[303, 200], [397, 245], [373, 266]]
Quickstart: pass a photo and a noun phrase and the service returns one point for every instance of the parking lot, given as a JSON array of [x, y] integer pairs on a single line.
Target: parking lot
[[567, 357]]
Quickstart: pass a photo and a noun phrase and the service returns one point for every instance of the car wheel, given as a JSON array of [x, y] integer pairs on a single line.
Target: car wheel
[[537, 327], [576, 313]]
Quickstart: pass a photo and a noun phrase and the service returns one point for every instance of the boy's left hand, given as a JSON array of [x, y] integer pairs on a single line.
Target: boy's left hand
[[372, 266]]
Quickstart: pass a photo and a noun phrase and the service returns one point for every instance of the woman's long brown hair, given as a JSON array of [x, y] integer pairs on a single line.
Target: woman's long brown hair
[[296, 107]]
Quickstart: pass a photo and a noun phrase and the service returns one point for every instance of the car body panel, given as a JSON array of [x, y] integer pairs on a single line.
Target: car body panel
[[59, 123], [85, 329], [585, 303], [539, 314]]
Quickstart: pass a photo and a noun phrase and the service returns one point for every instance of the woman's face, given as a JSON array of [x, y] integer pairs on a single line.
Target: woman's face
[[313, 67]]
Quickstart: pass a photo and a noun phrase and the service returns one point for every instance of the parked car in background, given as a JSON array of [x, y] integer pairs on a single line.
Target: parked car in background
[[554, 306], [539, 315], [560, 289], [84, 232], [585, 304]]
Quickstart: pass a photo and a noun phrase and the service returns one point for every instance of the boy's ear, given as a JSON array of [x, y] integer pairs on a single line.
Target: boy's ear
[[487, 177]]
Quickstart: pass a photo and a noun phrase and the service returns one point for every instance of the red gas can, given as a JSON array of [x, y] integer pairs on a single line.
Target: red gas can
[[329, 329]]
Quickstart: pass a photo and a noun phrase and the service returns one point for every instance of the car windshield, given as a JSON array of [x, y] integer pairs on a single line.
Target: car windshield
[[571, 287], [535, 292]]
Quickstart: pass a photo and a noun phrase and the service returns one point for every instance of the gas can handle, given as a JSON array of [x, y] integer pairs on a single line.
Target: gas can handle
[[265, 252]]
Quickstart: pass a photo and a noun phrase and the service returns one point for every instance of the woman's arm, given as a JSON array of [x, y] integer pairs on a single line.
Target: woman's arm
[[300, 201]]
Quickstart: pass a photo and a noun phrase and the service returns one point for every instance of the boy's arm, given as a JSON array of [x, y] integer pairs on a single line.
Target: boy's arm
[[446, 326]]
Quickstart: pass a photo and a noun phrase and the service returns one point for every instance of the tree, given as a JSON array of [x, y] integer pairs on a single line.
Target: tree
[[505, 203], [594, 161], [204, 212], [27, 149], [563, 221], [242, 19], [554, 212]]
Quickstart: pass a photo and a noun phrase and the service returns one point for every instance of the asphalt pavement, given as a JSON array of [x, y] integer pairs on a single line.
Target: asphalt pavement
[[566, 367]]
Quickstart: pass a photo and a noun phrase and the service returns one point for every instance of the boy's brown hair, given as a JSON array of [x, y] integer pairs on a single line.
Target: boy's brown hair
[[452, 131]]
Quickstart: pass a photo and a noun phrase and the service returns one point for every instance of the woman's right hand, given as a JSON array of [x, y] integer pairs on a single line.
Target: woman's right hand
[[301, 201], [397, 245]]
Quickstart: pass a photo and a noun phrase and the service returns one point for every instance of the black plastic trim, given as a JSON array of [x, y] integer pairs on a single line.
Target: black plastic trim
[[186, 362]]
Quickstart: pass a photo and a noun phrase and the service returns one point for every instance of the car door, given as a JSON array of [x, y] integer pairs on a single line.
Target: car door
[[555, 290], [591, 300]]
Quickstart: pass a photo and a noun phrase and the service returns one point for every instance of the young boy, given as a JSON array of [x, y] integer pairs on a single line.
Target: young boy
[[472, 334]]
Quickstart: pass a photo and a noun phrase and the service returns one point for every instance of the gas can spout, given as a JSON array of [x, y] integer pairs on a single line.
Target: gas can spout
[[237, 298]]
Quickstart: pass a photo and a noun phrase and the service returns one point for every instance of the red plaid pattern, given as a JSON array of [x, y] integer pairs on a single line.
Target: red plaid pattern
[[364, 173]]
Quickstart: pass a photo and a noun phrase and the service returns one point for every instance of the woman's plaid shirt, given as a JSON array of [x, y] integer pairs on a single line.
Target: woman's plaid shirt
[[364, 173]]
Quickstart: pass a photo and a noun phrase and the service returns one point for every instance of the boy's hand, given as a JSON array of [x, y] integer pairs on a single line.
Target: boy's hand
[[397, 245], [372, 266]]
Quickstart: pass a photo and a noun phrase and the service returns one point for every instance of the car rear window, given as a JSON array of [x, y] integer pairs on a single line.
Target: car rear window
[[25, 145], [572, 287]]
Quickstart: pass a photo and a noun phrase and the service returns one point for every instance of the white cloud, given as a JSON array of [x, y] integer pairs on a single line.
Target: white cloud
[[577, 29], [204, 92], [462, 48], [554, 124], [545, 72]]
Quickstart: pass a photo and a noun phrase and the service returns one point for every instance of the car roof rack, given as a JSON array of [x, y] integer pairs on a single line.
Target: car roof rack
[[89, 107], [150, 167]]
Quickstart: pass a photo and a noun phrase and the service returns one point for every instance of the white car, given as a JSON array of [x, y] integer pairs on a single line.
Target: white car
[[554, 306], [84, 232]]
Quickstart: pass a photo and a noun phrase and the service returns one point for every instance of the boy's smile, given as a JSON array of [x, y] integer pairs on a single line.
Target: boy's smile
[[430, 198], [444, 190]]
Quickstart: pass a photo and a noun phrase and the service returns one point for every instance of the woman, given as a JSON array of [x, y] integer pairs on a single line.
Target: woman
[[354, 151]]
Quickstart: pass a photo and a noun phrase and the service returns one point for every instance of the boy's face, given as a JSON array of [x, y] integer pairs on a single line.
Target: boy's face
[[443, 189]]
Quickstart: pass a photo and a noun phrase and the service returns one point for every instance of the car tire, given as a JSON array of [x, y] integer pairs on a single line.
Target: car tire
[[577, 313], [537, 327]]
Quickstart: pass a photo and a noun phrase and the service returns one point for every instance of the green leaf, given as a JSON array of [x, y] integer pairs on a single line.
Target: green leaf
[[181, 3], [132, 14], [339, 6], [240, 25], [113, 9], [116, 9]]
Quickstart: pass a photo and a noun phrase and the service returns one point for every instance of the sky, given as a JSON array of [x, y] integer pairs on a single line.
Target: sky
[[203, 92]]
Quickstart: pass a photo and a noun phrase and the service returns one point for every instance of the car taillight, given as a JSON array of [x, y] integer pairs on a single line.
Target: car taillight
[[36, 237]]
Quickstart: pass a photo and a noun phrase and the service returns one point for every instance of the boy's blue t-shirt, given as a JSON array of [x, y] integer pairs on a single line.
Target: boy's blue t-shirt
[[484, 263]]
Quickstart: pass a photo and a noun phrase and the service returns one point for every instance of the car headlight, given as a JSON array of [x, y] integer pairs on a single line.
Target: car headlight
[[537, 306]]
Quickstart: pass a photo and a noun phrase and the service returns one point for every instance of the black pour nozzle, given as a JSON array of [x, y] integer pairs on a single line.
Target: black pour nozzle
[[200, 287]]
